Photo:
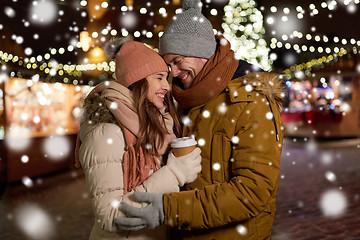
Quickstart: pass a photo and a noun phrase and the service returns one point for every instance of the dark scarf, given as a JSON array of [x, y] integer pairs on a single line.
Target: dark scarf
[[211, 80]]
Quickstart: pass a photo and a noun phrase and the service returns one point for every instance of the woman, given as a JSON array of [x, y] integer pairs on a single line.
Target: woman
[[126, 126]]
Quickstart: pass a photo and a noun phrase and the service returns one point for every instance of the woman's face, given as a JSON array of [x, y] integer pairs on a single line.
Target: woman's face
[[158, 87]]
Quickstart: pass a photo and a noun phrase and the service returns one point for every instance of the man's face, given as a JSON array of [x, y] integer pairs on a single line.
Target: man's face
[[184, 68]]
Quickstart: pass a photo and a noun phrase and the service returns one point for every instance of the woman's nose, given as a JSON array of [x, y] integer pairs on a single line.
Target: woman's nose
[[166, 85]]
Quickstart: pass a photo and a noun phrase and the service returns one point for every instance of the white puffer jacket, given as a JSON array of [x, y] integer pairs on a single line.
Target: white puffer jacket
[[100, 155]]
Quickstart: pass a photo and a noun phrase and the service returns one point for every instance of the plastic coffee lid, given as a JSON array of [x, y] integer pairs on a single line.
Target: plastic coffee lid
[[183, 142]]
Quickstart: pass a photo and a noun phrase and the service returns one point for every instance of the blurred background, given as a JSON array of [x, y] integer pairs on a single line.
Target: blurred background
[[51, 56]]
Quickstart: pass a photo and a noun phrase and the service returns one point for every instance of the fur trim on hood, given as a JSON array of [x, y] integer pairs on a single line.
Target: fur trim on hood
[[268, 84], [95, 111]]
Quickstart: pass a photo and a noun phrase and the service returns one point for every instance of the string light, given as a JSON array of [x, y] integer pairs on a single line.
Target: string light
[[275, 43], [317, 62], [38, 62], [314, 9]]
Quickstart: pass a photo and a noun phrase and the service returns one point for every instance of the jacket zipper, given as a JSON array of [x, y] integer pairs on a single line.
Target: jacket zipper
[[276, 130]]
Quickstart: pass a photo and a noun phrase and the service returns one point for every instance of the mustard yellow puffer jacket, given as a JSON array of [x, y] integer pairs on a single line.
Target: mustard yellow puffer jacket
[[240, 136]]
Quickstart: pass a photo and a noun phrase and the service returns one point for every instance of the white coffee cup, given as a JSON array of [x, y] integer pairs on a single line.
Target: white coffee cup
[[183, 146]]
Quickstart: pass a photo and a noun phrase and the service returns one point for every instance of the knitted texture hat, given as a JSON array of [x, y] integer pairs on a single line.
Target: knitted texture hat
[[189, 33], [133, 61]]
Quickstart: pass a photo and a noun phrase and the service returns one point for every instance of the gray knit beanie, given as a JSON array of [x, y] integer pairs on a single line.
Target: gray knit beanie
[[189, 34]]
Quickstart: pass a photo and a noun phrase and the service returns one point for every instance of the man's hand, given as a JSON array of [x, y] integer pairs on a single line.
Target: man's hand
[[148, 217]]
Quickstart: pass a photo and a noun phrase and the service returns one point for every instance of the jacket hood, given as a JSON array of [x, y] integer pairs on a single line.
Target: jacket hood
[[95, 111], [268, 84]]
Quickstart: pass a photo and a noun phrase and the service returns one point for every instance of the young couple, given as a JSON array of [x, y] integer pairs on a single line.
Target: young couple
[[229, 182]]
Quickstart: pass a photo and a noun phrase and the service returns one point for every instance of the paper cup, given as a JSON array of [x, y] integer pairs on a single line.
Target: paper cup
[[183, 146]]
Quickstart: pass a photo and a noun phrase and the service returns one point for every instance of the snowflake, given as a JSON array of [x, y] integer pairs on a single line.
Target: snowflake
[[222, 108], [44, 12], [201, 142], [333, 203], [241, 229], [56, 147], [115, 204], [216, 166], [113, 105], [330, 176], [128, 20], [206, 113], [269, 115], [24, 158], [9, 12], [18, 138], [186, 121], [34, 222], [248, 88], [27, 181], [235, 139]]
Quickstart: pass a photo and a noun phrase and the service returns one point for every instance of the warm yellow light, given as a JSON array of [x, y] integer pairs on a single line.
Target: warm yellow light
[[96, 52], [129, 3], [85, 40]]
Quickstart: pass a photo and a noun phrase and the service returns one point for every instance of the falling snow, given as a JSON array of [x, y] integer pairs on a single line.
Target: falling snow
[[27, 182], [235, 139], [109, 141], [9, 12], [241, 229], [43, 12], [201, 142], [333, 203], [128, 20], [330, 176], [186, 120], [24, 159], [34, 222], [56, 147], [18, 139], [216, 166]]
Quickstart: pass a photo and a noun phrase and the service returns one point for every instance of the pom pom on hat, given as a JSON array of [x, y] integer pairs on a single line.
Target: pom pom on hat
[[112, 47], [189, 34], [196, 4]]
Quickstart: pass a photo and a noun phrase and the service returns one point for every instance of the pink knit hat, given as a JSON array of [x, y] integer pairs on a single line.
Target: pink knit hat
[[135, 61]]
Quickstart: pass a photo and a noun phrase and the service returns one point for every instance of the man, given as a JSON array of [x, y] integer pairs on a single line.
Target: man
[[235, 117]]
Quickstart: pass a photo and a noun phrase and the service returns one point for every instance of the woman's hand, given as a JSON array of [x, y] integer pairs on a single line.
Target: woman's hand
[[185, 168]]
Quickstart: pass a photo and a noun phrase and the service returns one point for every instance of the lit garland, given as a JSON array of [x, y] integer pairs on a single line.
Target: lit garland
[[275, 43], [52, 68], [48, 68], [313, 9], [337, 51], [235, 13], [298, 70]]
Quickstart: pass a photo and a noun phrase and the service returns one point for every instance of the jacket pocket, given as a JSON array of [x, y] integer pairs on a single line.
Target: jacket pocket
[[220, 157]]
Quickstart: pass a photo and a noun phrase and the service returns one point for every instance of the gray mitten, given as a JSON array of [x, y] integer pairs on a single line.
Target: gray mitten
[[148, 217]]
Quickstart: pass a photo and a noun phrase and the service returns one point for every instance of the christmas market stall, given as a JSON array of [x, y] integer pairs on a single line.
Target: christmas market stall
[[39, 123], [325, 103]]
